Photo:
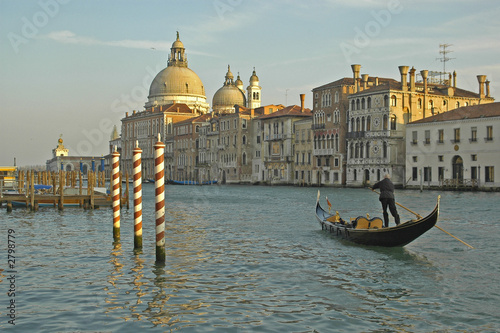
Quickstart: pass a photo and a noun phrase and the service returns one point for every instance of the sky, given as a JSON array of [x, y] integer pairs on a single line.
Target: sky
[[74, 67]]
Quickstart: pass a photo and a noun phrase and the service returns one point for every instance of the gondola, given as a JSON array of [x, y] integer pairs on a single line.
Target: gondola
[[366, 231]]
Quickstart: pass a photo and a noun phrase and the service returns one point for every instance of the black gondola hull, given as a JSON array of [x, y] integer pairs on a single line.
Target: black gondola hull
[[388, 237]]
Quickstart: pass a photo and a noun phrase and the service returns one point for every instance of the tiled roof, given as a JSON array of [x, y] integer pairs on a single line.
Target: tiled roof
[[289, 111], [465, 112]]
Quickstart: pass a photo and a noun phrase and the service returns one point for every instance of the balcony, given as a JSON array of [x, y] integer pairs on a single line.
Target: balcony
[[274, 137], [354, 135], [323, 152], [317, 126]]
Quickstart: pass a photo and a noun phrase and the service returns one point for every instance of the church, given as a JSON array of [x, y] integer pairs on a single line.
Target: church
[[177, 94]]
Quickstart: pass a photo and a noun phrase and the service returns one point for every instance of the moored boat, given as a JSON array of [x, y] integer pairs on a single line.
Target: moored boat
[[366, 231]]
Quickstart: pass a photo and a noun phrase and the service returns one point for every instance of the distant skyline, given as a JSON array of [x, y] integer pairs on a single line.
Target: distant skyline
[[74, 67]]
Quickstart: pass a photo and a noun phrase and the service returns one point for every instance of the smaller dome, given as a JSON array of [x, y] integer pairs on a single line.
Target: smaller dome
[[227, 97], [254, 78], [238, 82]]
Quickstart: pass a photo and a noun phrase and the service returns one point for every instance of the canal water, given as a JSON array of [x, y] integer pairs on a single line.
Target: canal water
[[252, 259]]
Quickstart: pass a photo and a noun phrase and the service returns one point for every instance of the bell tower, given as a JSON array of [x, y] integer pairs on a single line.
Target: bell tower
[[254, 92]]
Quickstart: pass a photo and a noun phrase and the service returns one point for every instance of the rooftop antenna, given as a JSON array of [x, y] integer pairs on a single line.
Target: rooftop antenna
[[444, 51], [286, 97]]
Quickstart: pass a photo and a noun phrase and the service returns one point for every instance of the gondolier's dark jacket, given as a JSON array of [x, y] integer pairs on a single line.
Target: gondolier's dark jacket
[[386, 188]]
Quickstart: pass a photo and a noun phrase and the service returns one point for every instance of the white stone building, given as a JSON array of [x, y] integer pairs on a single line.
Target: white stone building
[[459, 148]]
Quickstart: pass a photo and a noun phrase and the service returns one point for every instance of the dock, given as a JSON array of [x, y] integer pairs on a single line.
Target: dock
[[62, 189]]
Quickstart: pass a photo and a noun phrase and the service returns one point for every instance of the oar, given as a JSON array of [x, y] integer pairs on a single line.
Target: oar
[[419, 216]]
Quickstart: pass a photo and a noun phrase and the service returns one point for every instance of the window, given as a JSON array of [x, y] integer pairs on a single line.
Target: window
[[456, 132], [427, 137], [415, 159], [393, 100], [336, 161], [319, 161], [489, 174], [419, 103], [440, 136], [243, 123], [385, 121], [414, 137], [427, 174], [440, 173], [440, 158], [386, 101], [414, 173], [393, 122], [489, 133], [368, 123], [473, 134], [473, 172], [473, 157], [369, 102]]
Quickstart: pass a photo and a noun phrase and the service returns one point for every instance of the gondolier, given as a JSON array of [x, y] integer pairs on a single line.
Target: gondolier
[[387, 199]]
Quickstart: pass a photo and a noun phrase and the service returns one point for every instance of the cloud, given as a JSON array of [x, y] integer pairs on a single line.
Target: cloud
[[69, 37]]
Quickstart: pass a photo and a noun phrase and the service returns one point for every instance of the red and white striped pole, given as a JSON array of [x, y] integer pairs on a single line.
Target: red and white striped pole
[[160, 199], [137, 165], [115, 194]]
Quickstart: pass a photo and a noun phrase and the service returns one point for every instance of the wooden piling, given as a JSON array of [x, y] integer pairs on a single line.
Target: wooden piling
[[127, 189], [115, 181], [137, 171], [159, 155], [32, 191], [61, 190]]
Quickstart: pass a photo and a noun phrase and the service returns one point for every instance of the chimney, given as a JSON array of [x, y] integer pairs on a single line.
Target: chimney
[[126, 114], [449, 79], [481, 79], [454, 79], [487, 88], [376, 81], [302, 97], [403, 70], [424, 74], [412, 79], [355, 73], [364, 78], [133, 112]]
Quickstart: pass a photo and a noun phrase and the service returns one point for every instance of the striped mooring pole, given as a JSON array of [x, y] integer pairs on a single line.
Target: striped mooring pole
[[159, 152], [115, 194], [137, 165]]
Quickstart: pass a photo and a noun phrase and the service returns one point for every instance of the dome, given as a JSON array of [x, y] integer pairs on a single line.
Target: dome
[[254, 78], [176, 81], [227, 96]]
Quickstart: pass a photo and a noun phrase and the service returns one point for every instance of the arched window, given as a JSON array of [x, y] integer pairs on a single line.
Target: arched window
[[369, 102], [352, 105], [457, 105], [361, 149], [244, 158], [385, 120], [357, 125], [393, 100], [368, 150], [393, 122], [363, 123], [384, 149], [336, 97], [363, 103], [386, 101], [357, 104], [244, 139], [419, 103], [368, 123]]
